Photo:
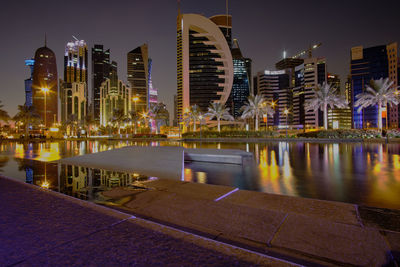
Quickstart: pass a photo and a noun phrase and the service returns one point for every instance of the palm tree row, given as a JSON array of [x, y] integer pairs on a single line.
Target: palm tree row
[[379, 93]]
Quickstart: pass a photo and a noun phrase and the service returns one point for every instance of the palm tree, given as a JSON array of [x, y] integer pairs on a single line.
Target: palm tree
[[325, 96], [89, 122], [380, 92], [27, 115], [72, 122], [118, 116], [134, 118], [219, 111], [192, 115], [3, 114], [255, 108], [157, 112]]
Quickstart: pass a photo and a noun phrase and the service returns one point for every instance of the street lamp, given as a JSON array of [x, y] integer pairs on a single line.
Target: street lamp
[[135, 99], [200, 119], [45, 90], [286, 112]]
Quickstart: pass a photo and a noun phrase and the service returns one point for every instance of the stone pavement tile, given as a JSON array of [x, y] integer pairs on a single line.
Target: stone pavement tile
[[334, 211], [334, 242], [393, 239], [162, 184], [386, 219], [211, 217], [128, 244], [33, 220], [205, 191]]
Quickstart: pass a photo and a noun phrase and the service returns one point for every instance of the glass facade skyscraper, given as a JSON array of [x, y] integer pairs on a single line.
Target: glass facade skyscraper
[[138, 75], [204, 62], [373, 63], [28, 83], [241, 81], [100, 72]]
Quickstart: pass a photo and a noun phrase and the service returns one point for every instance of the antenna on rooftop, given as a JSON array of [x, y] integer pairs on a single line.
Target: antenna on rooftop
[[227, 18], [45, 40]]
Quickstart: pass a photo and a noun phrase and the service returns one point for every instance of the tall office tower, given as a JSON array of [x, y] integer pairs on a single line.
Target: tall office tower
[[45, 86], [338, 118], [138, 76], [373, 63], [73, 89], [307, 76], [274, 87], [100, 72], [28, 83], [114, 95], [204, 63], [241, 81]]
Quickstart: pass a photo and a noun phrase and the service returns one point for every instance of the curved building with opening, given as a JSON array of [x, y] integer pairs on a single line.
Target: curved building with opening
[[204, 63], [45, 86]]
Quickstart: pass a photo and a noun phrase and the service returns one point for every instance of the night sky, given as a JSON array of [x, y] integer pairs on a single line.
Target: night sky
[[264, 29]]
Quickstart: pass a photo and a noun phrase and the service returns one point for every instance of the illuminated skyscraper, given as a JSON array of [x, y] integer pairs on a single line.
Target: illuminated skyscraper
[[75, 61], [114, 95], [274, 87], [338, 117], [138, 75], [100, 72], [373, 63], [153, 92], [45, 86], [307, 76], [28, 83], [73, 89], [204, 62]]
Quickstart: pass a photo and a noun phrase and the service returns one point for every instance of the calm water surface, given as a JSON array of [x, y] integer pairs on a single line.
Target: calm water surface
[[354, 173]]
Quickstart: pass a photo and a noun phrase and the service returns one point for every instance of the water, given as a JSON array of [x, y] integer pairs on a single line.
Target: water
[[349, 172]]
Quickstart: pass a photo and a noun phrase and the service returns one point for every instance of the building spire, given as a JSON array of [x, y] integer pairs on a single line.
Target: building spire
[[179, 7], [227, 18]]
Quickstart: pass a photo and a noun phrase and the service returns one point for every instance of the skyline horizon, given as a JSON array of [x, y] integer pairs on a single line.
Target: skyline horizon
[[162, 81]]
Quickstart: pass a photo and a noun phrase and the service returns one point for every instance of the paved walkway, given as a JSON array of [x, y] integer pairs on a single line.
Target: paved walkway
[[39, 227]]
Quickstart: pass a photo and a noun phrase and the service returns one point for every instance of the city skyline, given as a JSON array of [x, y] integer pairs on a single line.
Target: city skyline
[[372, 25]]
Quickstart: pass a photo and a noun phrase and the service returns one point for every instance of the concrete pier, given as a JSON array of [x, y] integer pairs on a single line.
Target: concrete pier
[[162, 162]]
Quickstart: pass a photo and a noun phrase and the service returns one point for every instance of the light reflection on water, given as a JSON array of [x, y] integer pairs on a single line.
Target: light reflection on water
[[355, 173]]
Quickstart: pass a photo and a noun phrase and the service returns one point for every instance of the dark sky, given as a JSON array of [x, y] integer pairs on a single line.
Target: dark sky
[[264, 29]]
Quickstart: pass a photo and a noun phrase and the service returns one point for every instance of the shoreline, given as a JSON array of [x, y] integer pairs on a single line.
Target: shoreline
[[222, 140]]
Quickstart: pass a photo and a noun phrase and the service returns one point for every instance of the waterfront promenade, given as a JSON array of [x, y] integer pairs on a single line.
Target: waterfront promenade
[[165, 222], [43, 228]]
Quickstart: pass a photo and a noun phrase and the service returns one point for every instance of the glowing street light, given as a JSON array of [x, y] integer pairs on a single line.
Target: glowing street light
[[135, 99], [45, 90]]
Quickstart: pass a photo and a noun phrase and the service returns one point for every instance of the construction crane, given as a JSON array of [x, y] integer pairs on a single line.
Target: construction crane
[[308, 51]]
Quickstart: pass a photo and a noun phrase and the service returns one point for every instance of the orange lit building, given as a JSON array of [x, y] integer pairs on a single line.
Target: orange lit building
[[45, 86]]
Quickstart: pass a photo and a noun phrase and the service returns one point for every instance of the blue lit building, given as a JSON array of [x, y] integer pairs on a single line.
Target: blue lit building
[[373, 63], [28, 83], [241, 86]]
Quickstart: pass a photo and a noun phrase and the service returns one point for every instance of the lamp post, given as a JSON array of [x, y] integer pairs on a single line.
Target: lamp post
[[135, 99], [200, 119], [286, 112], [45, 91]]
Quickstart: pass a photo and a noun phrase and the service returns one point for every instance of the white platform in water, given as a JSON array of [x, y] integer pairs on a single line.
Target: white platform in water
[[162, 162]]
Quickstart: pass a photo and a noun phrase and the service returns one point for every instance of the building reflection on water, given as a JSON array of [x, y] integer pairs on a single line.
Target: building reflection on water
[[348, 172]]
